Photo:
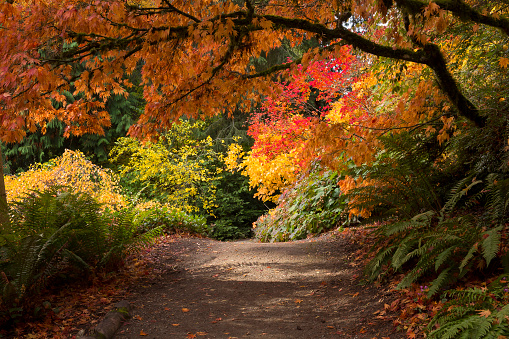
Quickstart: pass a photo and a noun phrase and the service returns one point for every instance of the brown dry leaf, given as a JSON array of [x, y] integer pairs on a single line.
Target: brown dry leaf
[[201, 333], [190, 335], [185, 310], [175, 325], [143, 333], [332, 327], [297, 301], [137, 317], [484, 313]]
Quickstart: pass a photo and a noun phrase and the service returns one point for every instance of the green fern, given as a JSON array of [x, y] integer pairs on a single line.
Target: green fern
[[438, 244], [473, 313], [57, 231]]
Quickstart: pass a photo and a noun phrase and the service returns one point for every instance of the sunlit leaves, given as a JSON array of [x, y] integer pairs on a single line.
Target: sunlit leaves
[[178, 167], [71, 169]]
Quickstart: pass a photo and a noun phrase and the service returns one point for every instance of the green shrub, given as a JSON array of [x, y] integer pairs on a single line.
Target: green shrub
[[313, 205], [169, 219], [58, 232], [236, 209]]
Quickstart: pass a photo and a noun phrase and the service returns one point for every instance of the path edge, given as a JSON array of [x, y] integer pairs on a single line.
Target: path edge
[[112, 321]]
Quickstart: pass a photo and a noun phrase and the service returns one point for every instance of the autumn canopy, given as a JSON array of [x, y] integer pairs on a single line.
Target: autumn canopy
[[195, 55]]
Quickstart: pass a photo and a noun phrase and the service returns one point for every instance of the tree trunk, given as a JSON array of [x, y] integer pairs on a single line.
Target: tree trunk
[[4, 215]]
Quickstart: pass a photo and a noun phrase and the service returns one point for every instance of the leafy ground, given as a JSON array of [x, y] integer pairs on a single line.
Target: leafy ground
[[302, 289], [188, 287]]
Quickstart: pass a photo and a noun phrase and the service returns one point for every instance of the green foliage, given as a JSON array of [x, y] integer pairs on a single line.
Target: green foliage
[[444, 245], [474, 313], [313, 205], [58, 232], [405, 180], [236, 209], [169, 220]]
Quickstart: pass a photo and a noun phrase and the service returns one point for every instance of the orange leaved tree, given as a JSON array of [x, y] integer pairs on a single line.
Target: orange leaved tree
[[196, 55]]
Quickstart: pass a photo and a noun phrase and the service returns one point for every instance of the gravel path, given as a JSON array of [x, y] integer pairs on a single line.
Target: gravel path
[[245, 289]]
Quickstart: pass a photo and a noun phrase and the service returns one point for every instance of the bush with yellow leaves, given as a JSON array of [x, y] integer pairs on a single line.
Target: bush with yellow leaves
[[73, 170]]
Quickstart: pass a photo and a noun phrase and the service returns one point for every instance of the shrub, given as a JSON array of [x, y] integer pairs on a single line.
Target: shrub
[[176, 169], [474, 313], [236, 209], [59, 231], [151, 215], [312, 205], [73, 170]]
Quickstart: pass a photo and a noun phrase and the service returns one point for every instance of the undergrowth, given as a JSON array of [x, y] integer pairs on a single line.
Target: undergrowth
[[60, 233], [313, 205]]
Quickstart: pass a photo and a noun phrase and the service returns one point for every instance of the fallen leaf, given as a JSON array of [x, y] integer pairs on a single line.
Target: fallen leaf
[[330, 327], [298, 301], [175, 325], [143, 333], [503, 62], [201, 333], [137, 317], [484, 313], [185, 310], [190, 335]]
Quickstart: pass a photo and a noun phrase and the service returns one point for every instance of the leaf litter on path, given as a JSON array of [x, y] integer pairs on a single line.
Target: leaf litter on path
[[302, 289]]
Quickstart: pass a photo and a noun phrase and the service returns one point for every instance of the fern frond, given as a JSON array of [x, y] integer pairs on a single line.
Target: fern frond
[[491, 244], [375, 266], [458, 191], [467, 258], [418, 271], [443, 256], [443, 278]]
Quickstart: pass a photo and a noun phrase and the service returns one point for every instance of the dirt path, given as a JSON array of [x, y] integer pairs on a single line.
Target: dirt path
[[246, 289]]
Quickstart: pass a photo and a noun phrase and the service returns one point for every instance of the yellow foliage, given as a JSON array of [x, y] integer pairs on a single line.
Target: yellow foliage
[[178, 166], [268, 175], [71, 169]]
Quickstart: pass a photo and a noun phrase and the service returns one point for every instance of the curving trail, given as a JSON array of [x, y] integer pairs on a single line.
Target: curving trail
[[246, 289]]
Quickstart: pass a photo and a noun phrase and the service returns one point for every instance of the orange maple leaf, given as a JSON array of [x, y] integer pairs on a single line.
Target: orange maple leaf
[[503, 62], [484, 313]]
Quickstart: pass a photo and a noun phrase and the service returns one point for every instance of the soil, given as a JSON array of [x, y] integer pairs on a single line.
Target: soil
[[246, 289]]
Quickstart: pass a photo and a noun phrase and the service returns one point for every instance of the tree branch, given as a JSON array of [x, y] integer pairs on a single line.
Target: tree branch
[[459, 9], [430, 55]]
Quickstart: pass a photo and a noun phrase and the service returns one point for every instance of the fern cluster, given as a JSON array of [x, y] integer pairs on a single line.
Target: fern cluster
[[474, 313], [438, 244], [57, 231], [403, 181]]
